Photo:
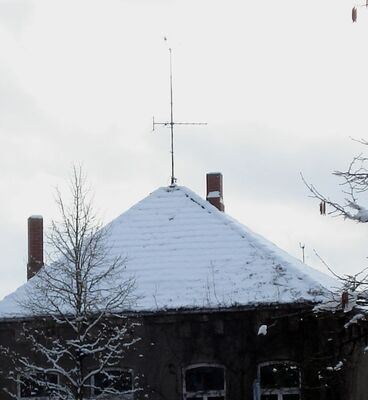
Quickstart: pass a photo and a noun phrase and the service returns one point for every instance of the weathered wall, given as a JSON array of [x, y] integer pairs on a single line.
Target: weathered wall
[[231, 339], [173, 341], [356, 340]]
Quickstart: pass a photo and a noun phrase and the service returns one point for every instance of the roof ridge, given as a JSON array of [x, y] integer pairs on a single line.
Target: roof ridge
[[258, 242], [229, 221]]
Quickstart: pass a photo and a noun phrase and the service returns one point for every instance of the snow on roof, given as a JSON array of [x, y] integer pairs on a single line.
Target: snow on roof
[[184, 253], [36, 217]]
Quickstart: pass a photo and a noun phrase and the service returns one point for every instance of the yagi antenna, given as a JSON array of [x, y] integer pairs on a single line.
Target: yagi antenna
[[172, 123]]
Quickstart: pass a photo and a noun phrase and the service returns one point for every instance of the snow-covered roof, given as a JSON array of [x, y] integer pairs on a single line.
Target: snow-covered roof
[[184, 253]]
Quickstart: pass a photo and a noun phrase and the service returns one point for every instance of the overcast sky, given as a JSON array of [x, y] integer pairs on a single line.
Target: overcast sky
[[282, 85]]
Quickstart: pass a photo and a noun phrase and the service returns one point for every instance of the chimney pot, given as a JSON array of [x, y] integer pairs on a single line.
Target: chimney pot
[[215, 190], [35, 245]]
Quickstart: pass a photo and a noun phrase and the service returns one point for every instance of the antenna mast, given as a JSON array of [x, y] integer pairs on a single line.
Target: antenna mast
[[302, 246], [173, 179], [172, 122]]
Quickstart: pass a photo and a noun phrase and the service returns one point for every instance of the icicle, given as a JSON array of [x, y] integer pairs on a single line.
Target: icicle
[[354, 13]]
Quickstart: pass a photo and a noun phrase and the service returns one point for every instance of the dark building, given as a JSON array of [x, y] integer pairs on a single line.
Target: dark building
[[223, 313]]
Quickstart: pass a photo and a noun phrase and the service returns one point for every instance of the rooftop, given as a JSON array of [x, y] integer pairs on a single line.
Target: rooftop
[[185, 253]]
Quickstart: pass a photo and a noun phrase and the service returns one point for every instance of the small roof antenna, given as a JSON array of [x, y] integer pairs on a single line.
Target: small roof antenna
[[302, 247], [172, 122]]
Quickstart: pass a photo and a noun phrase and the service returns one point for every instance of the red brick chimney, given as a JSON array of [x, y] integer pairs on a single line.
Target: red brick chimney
[[35, 245], [214, 190]]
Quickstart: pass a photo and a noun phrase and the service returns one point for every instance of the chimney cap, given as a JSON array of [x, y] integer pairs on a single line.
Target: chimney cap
[[36, 217]]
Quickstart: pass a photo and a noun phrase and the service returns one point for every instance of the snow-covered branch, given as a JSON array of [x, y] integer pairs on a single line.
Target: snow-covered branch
[[346, 210], [354, 184]]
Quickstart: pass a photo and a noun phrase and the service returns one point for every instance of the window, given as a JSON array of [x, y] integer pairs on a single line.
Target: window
[[278, 381], [113, 382], [204, 382], [36, 385]]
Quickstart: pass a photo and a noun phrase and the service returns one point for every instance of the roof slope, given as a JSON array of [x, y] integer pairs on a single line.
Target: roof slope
[[185, 253]]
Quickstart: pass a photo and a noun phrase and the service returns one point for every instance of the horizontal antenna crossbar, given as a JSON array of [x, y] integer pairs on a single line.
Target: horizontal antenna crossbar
[[179, 123]]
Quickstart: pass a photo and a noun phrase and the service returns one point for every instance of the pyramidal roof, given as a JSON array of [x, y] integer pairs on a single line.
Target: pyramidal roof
[[184, 253]]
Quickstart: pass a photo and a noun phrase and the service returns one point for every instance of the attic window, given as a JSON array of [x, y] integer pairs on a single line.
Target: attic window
[[204, 382], [113, 381], [279, 381], [36, 385]]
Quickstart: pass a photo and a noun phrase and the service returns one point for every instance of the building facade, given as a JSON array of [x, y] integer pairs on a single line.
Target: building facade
[[223, 313]]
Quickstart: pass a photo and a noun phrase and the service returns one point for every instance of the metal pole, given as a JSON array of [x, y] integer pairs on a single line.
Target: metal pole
[[302, 246], [171, 121]]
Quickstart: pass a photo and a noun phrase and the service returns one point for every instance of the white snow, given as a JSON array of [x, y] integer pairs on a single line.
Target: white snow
[[262, 330], [338, 366], [362, 213], [185, 253], [354, 320], [333, 302], [213, 195]]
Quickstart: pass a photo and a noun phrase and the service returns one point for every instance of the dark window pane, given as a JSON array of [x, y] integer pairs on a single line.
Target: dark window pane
[[269, 397], [113, 381], [29, 388], [279, 375], [36, 386], [205, 379], [291, 397]]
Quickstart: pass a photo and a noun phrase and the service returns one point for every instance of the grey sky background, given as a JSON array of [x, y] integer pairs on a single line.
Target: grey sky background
[[281, 84]]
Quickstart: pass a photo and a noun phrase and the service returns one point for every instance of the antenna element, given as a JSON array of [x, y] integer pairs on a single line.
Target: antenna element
[[172, 122]]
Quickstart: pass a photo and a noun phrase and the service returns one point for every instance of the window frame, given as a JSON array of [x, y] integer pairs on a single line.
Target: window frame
[[19, 389], [204, 394], [280, 391], [128, 394]]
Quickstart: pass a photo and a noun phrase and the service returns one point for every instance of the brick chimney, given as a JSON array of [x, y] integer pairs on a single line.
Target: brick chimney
[[35, 245], [214, 190]]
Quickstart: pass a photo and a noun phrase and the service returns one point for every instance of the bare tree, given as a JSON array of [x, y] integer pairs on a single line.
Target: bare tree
[[80, 297], [354, 186], [354, 183]]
